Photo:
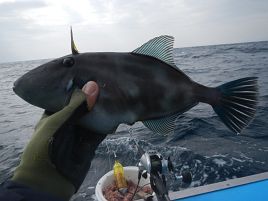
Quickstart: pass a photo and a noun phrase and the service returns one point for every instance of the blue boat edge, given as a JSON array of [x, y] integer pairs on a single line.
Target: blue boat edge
[[247, 188]]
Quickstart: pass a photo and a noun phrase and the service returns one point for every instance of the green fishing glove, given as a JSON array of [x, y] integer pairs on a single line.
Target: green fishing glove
[[59, 154]]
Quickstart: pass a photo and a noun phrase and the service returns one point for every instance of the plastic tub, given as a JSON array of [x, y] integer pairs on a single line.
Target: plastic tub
[[131, 173]]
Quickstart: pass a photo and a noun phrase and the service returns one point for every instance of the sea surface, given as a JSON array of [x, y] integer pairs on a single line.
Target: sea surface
[[201, 143]]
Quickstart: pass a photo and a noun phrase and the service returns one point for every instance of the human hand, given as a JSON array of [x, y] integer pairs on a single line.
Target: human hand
[[59, 154], [91, 91]]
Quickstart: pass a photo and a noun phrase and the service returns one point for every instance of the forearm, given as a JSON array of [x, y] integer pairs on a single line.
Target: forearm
[[60, 152], [58, 178]]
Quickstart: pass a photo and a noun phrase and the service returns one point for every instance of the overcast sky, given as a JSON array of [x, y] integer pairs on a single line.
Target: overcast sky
[[38, 29]]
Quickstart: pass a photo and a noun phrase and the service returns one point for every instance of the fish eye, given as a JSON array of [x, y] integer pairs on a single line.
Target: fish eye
[[68, 62]]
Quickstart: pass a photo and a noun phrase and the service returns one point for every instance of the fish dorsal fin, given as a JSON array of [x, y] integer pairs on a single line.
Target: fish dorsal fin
[[160, 48], [162, 125]]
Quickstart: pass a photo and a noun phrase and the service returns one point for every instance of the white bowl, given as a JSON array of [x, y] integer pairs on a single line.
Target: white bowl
[[131, 173]]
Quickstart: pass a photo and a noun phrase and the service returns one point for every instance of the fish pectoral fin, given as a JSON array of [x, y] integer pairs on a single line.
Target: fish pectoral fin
[[162, 125], [160, 48]]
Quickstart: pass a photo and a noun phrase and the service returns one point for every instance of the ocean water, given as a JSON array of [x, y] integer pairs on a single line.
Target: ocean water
[[200, 143]]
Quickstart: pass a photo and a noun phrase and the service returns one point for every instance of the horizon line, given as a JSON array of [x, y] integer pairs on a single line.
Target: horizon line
[[197, 46]]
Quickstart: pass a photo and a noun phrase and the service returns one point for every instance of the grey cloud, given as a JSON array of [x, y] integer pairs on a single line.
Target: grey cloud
[[227, 10], [11, 20], [12, 9], [192, 22], [16, 31]]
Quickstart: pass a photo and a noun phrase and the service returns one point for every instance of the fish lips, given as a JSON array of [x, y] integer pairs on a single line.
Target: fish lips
[[17, 90]]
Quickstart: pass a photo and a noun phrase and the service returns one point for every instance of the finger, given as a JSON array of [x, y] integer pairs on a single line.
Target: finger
[[91, 90]]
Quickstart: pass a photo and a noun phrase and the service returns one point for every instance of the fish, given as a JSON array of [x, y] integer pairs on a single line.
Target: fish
[[143, 85]]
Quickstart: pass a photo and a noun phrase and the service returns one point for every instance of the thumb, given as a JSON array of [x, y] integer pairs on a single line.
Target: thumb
[[91, 91]]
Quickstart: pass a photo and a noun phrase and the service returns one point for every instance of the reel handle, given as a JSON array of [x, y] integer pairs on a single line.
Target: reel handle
[[185, 177]]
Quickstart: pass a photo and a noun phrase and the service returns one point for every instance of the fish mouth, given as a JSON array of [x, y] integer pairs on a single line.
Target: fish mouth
[[17, 89], [14, 89], [15, 84]]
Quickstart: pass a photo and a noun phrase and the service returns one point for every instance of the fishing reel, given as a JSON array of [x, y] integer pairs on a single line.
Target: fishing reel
[[154, 164]]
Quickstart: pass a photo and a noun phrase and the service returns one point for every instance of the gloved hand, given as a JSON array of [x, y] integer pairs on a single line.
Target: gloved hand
[[59, 154]]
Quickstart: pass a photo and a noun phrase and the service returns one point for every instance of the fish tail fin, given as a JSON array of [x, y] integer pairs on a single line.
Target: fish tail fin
[[237, 102]]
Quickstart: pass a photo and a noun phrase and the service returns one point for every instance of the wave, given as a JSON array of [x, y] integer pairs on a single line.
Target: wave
[[202, 56], [254, 47]]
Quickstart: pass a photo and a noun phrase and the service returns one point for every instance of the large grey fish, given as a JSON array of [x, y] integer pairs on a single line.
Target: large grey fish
[[143, 85]]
